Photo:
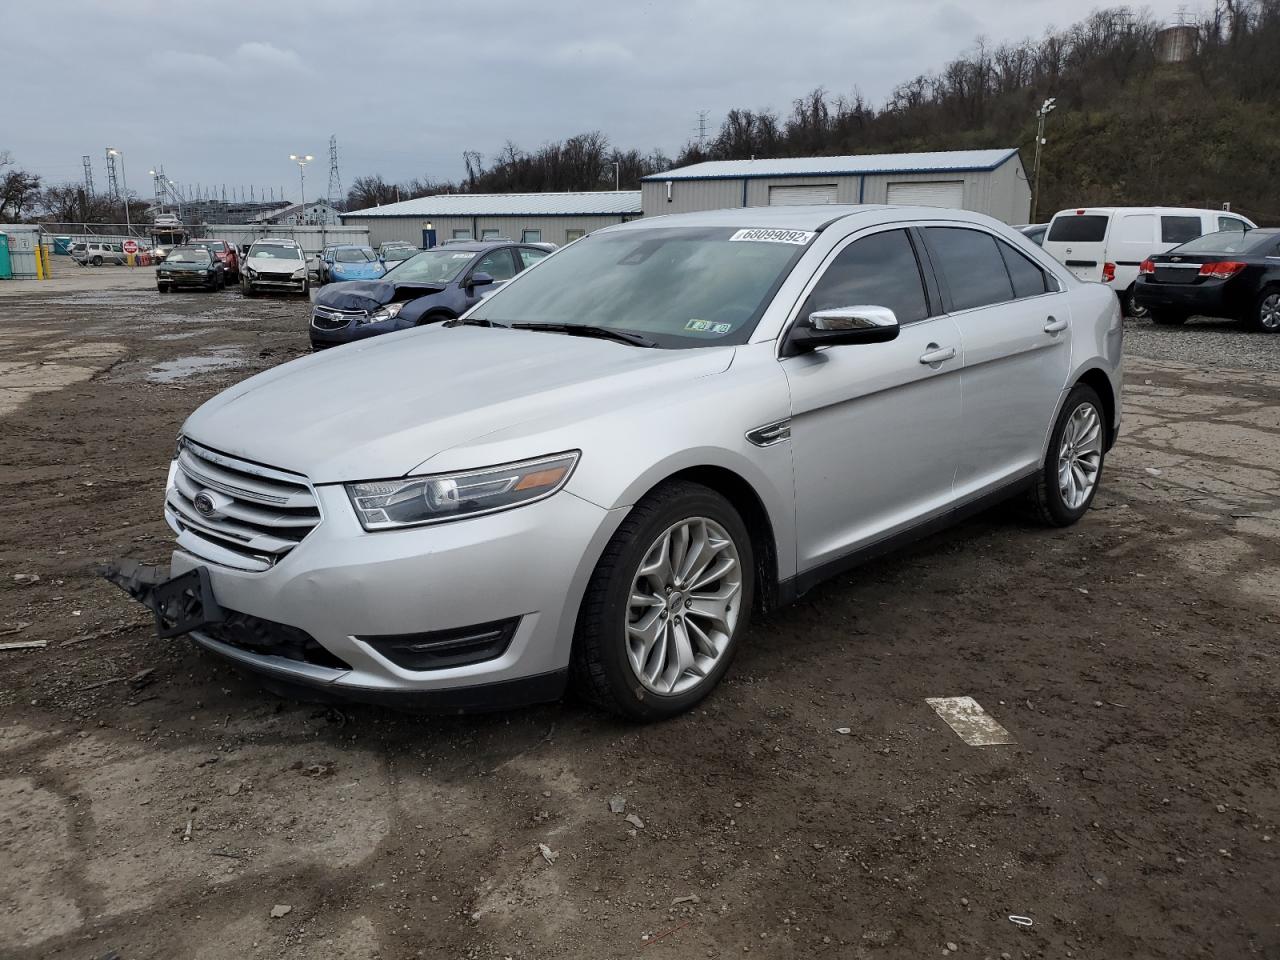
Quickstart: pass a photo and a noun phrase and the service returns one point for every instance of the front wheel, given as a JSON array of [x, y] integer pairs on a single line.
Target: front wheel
[[162, 287], [1266, 318], [666, 605], [1073, 463]]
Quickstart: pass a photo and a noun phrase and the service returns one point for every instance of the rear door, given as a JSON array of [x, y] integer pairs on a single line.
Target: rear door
[[1078, 239], [1014, 324]]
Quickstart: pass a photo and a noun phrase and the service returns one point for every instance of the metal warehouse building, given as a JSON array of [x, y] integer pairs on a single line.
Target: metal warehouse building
[[530, 217], [986, 181]]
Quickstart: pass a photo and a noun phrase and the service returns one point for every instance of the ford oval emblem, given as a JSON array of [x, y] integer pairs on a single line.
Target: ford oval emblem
[[204, 504]]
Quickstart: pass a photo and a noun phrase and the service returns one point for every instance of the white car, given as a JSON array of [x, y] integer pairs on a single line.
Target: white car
[[274, 264], [1108, 244], [603, 468]]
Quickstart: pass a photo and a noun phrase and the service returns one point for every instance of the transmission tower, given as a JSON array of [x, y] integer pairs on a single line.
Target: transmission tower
[[335, 178], [113, 184], [88, 175], [702, 129]]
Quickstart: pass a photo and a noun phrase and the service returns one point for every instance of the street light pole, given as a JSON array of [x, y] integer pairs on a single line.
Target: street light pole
[[302, 161], [124, 182], [1043, 112], [617, 175]]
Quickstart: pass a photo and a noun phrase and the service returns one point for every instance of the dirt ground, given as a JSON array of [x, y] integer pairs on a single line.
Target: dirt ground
[[1133, 659]]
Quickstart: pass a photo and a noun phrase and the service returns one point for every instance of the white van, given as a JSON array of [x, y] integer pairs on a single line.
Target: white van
[[1108, 244]]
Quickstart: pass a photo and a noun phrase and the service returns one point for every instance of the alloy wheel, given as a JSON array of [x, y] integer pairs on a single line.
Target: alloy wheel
[[684, 605], [1080, 456], [1269, 312]]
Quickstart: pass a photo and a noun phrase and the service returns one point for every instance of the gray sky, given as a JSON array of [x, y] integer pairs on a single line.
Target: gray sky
[[223, 91]]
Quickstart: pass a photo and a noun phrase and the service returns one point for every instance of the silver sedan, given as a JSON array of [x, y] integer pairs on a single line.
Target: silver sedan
[[600, 473]]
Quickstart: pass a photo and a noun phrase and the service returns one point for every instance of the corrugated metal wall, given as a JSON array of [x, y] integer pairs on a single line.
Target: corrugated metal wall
[[1002, 193], [554, 229], [23, 240]]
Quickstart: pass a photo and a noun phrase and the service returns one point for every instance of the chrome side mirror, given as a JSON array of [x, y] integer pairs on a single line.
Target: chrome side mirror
[[866, 323]]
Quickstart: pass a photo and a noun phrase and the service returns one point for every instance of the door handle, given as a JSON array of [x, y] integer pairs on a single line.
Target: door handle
[[936, 354], [1055, 326]]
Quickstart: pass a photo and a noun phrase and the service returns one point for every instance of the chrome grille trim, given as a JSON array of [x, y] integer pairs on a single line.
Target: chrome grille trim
[[261, 515], [331, 318]]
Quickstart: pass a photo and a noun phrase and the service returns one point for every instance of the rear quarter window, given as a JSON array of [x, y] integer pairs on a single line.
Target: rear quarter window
[[1079, 228]]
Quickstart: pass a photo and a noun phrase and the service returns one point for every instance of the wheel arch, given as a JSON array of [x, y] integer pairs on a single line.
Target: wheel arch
[[750, 506], [1097, 378]]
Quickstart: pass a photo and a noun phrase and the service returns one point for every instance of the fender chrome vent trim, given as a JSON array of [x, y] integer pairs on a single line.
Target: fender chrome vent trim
[[770, 433]]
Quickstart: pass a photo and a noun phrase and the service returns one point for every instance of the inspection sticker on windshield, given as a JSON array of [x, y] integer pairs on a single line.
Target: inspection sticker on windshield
[[761, 235], [706, 326]]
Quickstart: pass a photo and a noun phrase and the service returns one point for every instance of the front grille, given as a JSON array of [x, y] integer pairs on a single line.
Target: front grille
[[258, 513], [330, 318], [277, 277]]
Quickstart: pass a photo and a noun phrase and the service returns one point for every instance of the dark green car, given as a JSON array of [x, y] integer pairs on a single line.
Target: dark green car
[[190, 266]]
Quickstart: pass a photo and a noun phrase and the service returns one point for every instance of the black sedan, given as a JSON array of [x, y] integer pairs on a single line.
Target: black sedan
[[190, 266], [434, 285], [1226, 274]]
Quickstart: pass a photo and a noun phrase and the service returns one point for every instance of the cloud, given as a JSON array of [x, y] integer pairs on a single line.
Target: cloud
[[256, 53]]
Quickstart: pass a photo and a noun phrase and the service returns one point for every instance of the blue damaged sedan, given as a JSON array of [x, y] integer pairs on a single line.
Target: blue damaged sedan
[[435, 285], [349, 263]]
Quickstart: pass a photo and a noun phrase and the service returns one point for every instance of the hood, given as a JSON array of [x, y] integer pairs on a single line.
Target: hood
[[381, 407], [371, 294]]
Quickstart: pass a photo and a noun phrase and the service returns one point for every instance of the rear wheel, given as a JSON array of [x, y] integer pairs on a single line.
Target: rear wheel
[[666, 606], [1131, 308], [1073, 462], [1167, 318], [1266, 316], [96, 261]]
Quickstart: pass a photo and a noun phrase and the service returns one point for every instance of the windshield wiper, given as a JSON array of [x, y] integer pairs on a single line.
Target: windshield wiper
[[473, 322], [586, 330]]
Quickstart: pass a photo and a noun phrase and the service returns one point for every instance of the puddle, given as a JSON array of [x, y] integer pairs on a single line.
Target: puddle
[[173, 370], [180, 336]]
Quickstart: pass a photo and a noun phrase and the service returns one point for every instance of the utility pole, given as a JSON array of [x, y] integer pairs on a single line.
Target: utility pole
[[113, 182], [1041, 114], [302, 162], [617, 175]]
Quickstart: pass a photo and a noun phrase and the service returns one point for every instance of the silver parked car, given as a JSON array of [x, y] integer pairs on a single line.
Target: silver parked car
[[604, 467]]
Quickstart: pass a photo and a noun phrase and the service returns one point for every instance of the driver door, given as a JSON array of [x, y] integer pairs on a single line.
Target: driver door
[[875, 427], [498, 264]]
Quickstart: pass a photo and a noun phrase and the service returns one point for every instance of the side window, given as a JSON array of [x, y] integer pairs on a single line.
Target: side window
[[1179, 229], [1230, 223], [972, 265], [529, 256], [531, 236], [1028, 279], [880, 269], [498, 265]]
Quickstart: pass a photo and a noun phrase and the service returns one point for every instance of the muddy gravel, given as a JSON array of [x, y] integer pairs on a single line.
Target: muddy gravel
[[155, 803]]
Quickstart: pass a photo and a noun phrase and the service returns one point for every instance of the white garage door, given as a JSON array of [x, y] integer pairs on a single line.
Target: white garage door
[[948, 193], [792, 196]]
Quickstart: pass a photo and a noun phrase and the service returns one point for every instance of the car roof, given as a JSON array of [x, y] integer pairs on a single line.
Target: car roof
[[477, 246], [285, 240], [349, 246], [1172, 211]]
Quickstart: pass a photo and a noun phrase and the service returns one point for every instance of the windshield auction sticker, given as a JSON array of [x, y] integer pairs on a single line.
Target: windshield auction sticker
[[760, 235]]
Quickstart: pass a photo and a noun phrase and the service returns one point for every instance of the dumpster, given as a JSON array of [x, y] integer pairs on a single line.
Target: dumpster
[[62, 246], [6, 268]]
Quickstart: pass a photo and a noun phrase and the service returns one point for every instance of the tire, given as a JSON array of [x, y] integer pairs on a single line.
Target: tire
[[602, 665], [1049, 502], [1130, 308], [162, 287], [96, 261], [1167, 318], [1266, 313], [306, 287], [247, 290]]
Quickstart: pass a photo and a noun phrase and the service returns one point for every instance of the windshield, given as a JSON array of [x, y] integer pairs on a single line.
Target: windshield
[[434, 266], [353, 256], [192, 255], [1224, 241], [399, 253], [275, 251], [679, 287], [214, 246]]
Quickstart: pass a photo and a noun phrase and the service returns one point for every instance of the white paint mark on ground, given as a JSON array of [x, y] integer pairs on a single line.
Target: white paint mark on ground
[[971, 723]]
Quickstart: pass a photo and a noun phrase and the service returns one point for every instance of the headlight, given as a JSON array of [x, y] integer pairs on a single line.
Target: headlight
[[411, 501], [388, 312], [301, 271], [250, 272]]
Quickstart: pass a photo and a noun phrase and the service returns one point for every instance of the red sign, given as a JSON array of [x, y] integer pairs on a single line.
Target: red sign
[[131, 246]]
